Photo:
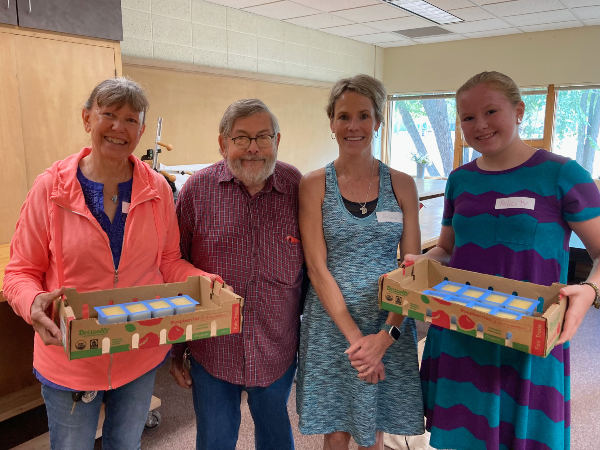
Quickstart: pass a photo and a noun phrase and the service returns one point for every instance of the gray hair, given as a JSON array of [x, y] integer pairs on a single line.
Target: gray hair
[[361, 84], [119, 91], [496, 81], [244, 108]]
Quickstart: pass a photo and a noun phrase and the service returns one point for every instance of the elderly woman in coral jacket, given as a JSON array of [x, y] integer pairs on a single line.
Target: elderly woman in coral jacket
[[99, 219]]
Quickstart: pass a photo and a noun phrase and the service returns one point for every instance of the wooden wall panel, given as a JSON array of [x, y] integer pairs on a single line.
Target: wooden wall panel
[[192, 104], [13, 182], [55, 78]]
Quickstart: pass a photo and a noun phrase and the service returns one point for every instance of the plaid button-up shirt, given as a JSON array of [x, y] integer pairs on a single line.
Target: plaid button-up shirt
[[248, 242]]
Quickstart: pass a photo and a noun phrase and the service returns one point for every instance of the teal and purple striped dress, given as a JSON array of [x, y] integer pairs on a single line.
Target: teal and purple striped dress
[[479, 395]]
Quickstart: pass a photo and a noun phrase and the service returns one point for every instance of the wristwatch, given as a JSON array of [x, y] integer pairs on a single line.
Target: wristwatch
[[595, 288], [392, 330]]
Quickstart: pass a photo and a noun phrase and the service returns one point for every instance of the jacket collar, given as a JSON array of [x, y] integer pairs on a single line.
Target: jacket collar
[[67, 192], [273, 182]]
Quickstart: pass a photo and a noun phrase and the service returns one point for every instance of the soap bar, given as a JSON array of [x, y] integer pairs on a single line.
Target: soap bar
[[183, 304], [160, 307], [137, 311], [495, 298], [503, 313], [522, 305], [475, 293], [449, 286], [458, 300], [110, 314], [482, 308]]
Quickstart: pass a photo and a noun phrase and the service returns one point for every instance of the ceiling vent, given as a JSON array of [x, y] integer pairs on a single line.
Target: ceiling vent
[[422, 32], [425, 10]]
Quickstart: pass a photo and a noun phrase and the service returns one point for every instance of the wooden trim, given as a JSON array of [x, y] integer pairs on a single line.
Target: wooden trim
[[118, 60], [550, 118], [458, 144], [386, 150], [14, 404], [222, 72], [4, 258], [31, 32]]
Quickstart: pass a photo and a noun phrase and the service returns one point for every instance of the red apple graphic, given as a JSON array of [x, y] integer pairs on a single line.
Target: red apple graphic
[[466, 323], [149, 340], [440, 300], [441, 319], [175, 333]]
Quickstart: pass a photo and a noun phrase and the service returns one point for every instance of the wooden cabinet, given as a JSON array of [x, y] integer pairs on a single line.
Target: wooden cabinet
[[8, 12], [45, 79], [94, 18]]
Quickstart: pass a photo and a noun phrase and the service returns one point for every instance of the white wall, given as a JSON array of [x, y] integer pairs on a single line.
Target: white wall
[[207, 34]]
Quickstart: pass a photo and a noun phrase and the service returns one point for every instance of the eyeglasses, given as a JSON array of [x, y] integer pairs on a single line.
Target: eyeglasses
[[243, 142]]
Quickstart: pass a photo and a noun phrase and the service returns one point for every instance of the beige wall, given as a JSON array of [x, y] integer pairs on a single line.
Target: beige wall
[[192, 105], [568, 56]]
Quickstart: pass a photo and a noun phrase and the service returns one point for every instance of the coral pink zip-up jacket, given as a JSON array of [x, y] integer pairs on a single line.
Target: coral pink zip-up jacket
[[58, 238]]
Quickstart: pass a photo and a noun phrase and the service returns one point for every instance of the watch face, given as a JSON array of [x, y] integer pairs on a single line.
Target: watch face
[[395, 333]]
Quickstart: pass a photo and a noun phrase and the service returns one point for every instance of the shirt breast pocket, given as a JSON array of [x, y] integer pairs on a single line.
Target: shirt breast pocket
[[517, 229], [288, 270]]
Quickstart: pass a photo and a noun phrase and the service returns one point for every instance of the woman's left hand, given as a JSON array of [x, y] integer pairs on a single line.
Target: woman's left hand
[[581, 298], [366, 353]]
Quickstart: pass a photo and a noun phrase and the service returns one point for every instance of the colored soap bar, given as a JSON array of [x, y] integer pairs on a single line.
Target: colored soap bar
[[183, 304], [137, 311], [482, 308], [496, 298], [506, 314], [160, 307], [457, 300], [111, 314], [522, 305], [475, 293], [449, 286]]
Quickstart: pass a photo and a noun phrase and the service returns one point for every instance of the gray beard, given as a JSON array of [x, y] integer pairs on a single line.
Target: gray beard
[[252, 178]]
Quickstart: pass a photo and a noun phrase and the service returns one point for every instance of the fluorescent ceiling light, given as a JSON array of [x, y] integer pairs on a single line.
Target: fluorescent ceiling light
[[425, 10]]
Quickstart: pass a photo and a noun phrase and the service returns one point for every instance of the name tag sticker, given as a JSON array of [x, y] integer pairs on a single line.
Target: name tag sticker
[[389, 216], [515, 203], [125, 207]]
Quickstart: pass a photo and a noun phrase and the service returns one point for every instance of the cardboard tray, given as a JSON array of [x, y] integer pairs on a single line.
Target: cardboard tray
[[400, 291], [218, 314]]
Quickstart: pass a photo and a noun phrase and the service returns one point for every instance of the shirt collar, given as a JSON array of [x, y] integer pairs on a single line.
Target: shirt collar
[[273, 182]]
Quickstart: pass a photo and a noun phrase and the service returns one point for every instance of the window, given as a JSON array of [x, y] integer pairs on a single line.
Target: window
[[578, 125], [423, 126]]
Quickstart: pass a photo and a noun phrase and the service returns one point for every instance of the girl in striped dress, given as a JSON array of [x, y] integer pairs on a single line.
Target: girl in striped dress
[[479, 395]]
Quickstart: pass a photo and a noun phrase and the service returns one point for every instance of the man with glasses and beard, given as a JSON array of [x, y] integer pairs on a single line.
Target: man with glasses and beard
[[239, 218]]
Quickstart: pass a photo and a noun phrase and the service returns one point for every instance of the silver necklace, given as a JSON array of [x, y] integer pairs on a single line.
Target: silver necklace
[[363, 206]]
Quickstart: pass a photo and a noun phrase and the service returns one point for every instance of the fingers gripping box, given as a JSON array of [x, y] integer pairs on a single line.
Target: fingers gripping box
[[219, 312], [401, 291]]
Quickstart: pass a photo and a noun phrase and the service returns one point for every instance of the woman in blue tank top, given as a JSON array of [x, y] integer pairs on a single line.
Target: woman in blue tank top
[[358, 369]]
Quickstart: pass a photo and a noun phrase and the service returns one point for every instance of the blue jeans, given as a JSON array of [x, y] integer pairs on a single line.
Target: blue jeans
[[218, 415], [126, 411]]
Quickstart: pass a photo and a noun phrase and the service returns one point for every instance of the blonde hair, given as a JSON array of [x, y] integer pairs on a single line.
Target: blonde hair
[[496, 81], [361, 84]]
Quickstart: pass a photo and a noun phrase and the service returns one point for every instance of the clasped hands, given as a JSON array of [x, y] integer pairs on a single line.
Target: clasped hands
[[366, 353]]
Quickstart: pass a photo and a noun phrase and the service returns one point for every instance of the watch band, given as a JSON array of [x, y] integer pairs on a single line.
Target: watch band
[[392, 330], [596, 290]]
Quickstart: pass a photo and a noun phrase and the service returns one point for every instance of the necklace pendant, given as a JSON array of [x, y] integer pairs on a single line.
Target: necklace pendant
[[114, 199], [363, 209]]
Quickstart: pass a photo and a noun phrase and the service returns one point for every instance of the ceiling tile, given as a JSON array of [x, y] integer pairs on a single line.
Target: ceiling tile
[[590, 12], [323, 20], [443, 38], [551, 26], [540, 18], [371, 13], [592, 22], [480, 25], [450, 4], [377, 38], [523, 7], [396, 44], [579, 3], [282, 10], [238, 4], [337, 5], [403, 23], [356, 29], [469, 14], [491, 33]]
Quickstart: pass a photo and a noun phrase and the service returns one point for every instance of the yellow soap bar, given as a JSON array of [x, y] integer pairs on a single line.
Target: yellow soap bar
[[473, 293], [459, 302], [159, 304], [113, 311], [504, 315], [181, 301], [451, 288], [136, 307], [496, 298], [482, 309], [521, 304]]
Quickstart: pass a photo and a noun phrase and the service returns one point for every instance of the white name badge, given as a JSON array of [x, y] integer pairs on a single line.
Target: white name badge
[[389, 216], [515, 203], [125, 207]]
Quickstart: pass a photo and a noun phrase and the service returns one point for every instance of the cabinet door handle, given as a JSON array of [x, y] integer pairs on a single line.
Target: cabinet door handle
[[8, 4], [29, 5]]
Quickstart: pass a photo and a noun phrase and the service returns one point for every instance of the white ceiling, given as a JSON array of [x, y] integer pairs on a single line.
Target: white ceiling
[[371, 21]]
